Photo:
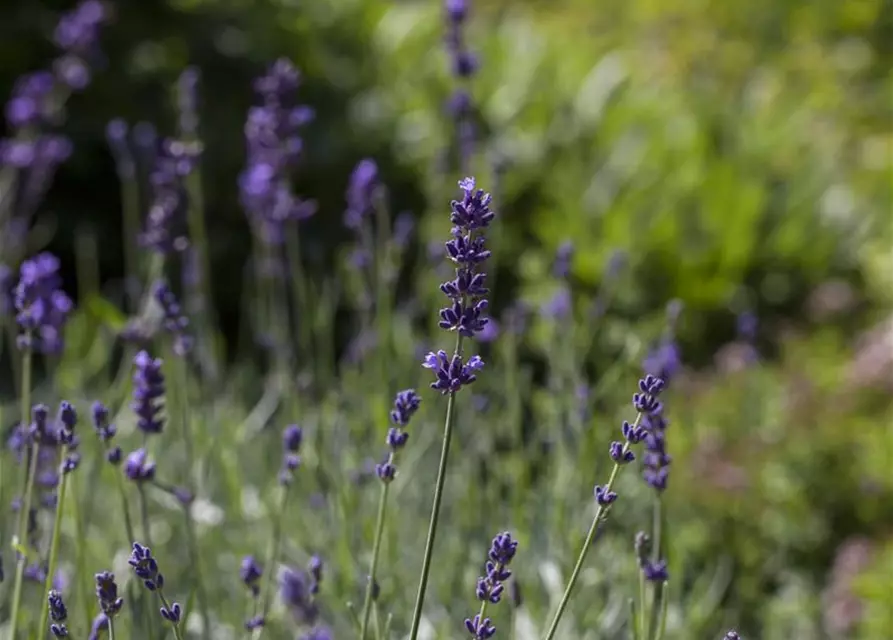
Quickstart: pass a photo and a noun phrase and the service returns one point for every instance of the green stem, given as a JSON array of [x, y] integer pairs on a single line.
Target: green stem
[[664, 605], [435, 508], [111, 628], [271, 558], [202, 595], [640, 623], [175, 625], [28, 471], [82, 574], [128, 528], [144, 515], [600, 514], [376, 547], [54, 545]]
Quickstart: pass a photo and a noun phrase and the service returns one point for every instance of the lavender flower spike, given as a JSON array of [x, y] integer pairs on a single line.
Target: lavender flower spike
[[466, 315], [405, 405], [42, 307], [648, 407], [148, 393], [145, 567], [491, 586]]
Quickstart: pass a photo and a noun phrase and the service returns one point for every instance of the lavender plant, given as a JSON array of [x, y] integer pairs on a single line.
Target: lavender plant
[[465, 316], [405, 405], [491, 586], [145, 567], [646, 404]]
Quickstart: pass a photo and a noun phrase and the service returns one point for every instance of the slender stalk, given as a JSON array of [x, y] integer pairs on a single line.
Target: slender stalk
[[640, 622], [196, 568], [82, 574], [435, 508], [128, 529], [54, 545], [175, 625], [111, 628], [600, 514], [664, 605], [376, 547], [271, 558], [144, 515], [28, 471]]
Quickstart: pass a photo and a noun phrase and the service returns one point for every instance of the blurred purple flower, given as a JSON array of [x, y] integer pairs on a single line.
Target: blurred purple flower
[[42, 307], [274, 146], [559, 306]]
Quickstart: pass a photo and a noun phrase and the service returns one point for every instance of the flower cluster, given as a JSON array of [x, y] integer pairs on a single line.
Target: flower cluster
[[656, 459], [148, 393], [315, 567], [106, 432], [67, 421], [292, 437], [107, 594], [42, 307], [175, 322], [467, 312], [463, 64], [58, 614], [250, 573], [361, 193], [296, 594], [405, 405], [274, 147], [491, 586], [77, 35], [138, 467], [145, 567], [164, 230], [646, 404]]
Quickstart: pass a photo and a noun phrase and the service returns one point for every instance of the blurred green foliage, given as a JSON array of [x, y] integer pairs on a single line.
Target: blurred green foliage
[[739, 152]]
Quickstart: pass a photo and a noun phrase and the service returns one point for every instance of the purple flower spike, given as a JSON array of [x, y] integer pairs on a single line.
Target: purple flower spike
[[361, 193], [272, 134], [58, 614], [107, 594], [451, 373], [292, 437], [138, 467], [175, 322], [656, 571], [148, 393], [732, 635], [480, 629], [145, 567], [294, 590], [405, 405], [491, 586], [604, 496], [42, 308]]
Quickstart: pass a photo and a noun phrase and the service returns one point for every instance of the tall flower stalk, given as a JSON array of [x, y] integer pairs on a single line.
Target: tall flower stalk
[[646, 404], [42, 310], [405, 405], [465, 316], [491, 586], [292, 438], [64, 436]]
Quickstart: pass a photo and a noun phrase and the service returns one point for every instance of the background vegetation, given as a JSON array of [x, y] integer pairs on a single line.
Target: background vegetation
[[737, 154]]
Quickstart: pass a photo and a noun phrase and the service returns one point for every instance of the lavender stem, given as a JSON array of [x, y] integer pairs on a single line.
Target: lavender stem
[[600, 514], [376, 548], [435, 507], [54, 545], [28, 472]]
